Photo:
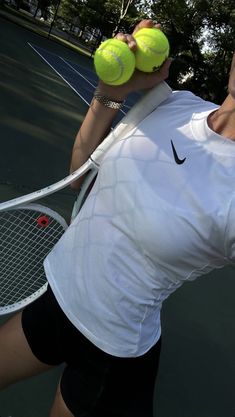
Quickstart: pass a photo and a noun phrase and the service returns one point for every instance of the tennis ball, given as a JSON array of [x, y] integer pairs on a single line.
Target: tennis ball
[[114, 62], [152, 49]]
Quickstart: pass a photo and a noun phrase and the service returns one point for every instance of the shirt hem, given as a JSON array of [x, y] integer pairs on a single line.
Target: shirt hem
[[105, 347]]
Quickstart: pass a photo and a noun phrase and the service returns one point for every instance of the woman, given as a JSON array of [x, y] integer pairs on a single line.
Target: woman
[[160, 213]]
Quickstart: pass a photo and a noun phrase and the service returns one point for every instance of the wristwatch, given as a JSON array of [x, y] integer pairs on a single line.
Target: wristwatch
[[107, 101]]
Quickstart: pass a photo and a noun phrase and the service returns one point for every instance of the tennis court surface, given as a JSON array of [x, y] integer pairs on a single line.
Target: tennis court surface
[[45, 90]]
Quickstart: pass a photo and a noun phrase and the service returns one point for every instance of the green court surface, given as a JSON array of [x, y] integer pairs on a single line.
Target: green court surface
[[39, 118]]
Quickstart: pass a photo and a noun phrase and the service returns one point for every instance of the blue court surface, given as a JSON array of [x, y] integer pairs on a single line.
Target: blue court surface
[[83, 81]]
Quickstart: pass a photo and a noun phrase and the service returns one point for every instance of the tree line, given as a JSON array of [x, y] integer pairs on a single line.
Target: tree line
[[201, 34]]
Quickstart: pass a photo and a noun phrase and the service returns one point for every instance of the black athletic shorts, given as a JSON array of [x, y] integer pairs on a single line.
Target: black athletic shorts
[[93, 384]]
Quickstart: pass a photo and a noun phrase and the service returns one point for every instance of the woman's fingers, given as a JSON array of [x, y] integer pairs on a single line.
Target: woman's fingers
[[129, 38], [147, 23]]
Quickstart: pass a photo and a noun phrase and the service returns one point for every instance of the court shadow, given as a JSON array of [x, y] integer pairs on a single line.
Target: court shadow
[[197, 370]]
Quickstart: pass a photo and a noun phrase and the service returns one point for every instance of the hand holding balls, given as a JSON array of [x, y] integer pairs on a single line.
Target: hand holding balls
[[115, 62]]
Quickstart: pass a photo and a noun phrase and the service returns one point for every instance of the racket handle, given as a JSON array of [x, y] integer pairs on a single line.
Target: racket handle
[[147, 103]]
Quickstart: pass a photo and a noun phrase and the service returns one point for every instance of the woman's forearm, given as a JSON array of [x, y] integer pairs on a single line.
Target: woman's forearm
[[94, 129], [99, 118]]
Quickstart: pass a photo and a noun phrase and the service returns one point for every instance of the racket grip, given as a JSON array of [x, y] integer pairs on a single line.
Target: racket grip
[[147, 103]]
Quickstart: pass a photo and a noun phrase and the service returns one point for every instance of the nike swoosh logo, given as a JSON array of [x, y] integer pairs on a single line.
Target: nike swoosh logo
[[177, 159]]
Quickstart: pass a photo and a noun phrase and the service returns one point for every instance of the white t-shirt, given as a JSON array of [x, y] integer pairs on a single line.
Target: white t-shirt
[[161, 212]]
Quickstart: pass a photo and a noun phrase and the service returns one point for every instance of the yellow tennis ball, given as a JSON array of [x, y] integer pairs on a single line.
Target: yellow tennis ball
[[152, 49], [114, 62]]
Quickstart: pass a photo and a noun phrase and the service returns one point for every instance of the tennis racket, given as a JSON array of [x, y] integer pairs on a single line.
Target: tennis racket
[[28, 231]]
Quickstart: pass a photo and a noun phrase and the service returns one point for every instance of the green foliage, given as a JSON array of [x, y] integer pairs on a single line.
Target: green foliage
[[201, 35], [70, 8]]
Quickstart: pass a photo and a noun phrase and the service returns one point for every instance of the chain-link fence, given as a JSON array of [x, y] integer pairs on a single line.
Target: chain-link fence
[[49, 21]]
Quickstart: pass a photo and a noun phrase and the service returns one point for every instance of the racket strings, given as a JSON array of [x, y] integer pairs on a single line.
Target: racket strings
[[26, 237], [23, 233]]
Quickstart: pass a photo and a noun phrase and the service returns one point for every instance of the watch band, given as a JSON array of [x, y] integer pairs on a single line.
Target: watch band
[[107, 101]]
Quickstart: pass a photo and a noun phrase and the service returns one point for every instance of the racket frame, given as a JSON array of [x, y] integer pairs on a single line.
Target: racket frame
[[139, 111]]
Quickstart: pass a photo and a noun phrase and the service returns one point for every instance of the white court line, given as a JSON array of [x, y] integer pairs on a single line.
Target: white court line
[[67, 82], [57, 72], [82, 76]]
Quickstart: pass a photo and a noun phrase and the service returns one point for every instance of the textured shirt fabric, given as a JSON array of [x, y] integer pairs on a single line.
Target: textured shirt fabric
[[161, 212]]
